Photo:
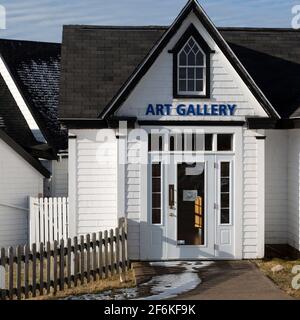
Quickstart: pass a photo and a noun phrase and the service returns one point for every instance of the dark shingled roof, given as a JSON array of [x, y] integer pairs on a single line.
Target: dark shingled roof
[[35, 68], [272, 57], [96, 61]]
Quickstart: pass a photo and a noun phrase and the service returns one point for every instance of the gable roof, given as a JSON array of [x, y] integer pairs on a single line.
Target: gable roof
[[191, 6], [108, 57], [35, 69]]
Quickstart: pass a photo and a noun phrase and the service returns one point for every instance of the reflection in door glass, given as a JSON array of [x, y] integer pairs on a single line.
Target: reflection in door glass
[[190, 200]]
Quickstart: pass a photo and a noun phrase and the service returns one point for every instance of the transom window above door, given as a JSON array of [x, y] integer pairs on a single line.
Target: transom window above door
[[190, 142], [191, 65], [191, 69]]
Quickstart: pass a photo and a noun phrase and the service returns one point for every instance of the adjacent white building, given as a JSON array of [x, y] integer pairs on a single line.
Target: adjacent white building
[[33, 159]]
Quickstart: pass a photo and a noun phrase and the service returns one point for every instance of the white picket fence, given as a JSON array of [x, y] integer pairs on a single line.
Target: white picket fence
[[48, 219]]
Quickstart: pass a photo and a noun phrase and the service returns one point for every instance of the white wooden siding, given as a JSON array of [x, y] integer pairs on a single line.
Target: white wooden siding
[[59, 179], [294, 189], [133, 196], [18, 180], [250, 219], [276, 186], [96, 182]]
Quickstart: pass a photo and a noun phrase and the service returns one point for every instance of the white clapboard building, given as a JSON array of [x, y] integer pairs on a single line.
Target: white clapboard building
[[33, 160], [190, 131]]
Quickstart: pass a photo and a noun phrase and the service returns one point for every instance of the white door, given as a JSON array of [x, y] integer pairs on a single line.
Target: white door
[[224, 168], [190, 214]]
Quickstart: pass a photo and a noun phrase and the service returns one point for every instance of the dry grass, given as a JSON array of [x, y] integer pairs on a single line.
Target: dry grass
[[282, 278], [93, 287]]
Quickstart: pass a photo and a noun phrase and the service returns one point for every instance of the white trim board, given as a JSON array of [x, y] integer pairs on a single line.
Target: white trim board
[[20, 102]]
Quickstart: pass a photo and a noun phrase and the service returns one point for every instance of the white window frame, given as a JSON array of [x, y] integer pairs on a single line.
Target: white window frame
[[204, 66]]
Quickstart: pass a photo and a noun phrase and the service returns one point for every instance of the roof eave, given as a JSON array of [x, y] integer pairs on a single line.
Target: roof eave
[[24, 154]]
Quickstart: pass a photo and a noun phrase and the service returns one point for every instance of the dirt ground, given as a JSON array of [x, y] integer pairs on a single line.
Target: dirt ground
[[283, 279], [112, 283]]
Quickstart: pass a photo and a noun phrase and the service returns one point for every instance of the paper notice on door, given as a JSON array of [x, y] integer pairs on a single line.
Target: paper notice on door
[[190, 195]]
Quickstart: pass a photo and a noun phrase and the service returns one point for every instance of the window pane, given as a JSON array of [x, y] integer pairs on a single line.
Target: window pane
[[182, 59], [199, 141], [199, 59], [225, 216], [225, 200], [191, 73], [182, 73], [225, 169], [172, 143], [195, 49], [199, 73], [208, 142], [156, 170], [156, 200], [182, 85], [191, 59], [156, 184], [224, 184], [179, 142], [188, 142], [191, 42], [224, 142], [155, 142], [191, 85], [156, 216], [199, 85]]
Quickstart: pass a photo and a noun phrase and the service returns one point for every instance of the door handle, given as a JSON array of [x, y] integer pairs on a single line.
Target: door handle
[[171, 196]]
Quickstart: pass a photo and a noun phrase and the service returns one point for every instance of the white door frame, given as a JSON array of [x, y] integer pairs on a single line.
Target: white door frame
[[238, 186]]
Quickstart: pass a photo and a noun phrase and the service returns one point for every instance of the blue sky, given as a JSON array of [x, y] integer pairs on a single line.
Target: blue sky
[[42, 20]]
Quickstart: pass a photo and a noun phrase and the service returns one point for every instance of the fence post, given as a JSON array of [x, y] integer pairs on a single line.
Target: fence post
[[2, 281], [32, 236], [47, 222], [2, 275], [64, 216], [62, 265], [106, 252], [55, 227], [11, 272], [100, 257], [112, 255], [88, 258], [50, 216], [42, 222], [126, 243], [19, 271], [26, 270]]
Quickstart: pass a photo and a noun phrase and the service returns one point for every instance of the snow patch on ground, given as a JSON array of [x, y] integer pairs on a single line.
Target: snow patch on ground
[[163, 286]]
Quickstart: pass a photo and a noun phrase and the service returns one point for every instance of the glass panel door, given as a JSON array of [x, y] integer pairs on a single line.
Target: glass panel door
[[190, 209], [191, 203]]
